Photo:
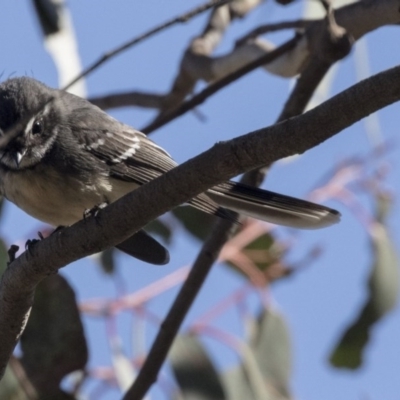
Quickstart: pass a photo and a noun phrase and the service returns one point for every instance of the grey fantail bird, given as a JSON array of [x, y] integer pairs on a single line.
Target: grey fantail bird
[[65, 156]]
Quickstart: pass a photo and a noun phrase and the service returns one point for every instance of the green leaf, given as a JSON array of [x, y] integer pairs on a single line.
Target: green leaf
[[266, 362], [237, 384], [196, 222], [270, 343], [15, 385], [262, 251], [53, 343], [1, 205], [194, 371], [3, 256], [161, 229], [383, 288]]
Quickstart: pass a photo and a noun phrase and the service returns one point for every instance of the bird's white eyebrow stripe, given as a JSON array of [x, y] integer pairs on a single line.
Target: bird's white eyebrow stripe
[[29, 124]]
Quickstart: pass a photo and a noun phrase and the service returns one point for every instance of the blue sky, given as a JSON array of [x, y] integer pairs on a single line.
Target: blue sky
[[317, 302]]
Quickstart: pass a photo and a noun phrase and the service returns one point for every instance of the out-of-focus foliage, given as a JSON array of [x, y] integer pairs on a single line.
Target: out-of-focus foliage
[[262, 374], [265, 367], [194, 371], [383, 290], [53, 343]]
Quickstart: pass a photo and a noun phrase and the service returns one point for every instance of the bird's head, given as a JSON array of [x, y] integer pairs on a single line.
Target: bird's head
[[26, 129]]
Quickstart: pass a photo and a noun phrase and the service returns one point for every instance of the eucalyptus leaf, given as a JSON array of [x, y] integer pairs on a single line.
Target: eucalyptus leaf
[[270, 342], [383, 290], [15, 385], [195, 222], [262, 251], [3, 256], [265, 367], [53, 343], [160, 228], [194, 371]]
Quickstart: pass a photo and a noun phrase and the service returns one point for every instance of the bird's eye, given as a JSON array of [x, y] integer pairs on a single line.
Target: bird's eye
[[37, 127]]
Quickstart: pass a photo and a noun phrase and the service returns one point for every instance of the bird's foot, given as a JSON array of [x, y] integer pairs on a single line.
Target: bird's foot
[[30, 243], [12, 251]]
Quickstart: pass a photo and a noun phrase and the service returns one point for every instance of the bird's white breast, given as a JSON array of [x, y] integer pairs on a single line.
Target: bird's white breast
[[59, 201]]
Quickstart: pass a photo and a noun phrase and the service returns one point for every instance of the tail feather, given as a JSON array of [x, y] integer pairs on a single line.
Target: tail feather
[[204, 203], [273, 207]]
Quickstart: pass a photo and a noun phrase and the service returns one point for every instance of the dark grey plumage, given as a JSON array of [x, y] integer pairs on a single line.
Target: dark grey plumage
[[68, 155]]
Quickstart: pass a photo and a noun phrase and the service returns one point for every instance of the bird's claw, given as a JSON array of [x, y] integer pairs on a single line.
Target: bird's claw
[[30, 243], [12, 251]]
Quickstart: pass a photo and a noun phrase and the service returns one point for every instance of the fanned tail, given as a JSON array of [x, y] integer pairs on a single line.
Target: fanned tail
[[273, 207]]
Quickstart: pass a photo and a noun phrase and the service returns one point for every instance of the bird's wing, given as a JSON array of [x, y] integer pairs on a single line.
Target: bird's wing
[[130, 155]]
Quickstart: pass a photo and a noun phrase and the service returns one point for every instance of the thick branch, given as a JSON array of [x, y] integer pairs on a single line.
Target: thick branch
[[223, 161], [139, 99], [196, 62], [357, 19], [337, 45], [173, 320], [215, 87]]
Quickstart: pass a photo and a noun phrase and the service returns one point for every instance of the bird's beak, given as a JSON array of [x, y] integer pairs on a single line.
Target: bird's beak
[[17, 156]]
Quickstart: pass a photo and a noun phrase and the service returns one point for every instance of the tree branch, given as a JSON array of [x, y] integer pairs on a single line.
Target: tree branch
[[273, 27], [357, 19], [180, 19], [337, 45], [223, 161], [197, 62], [172, 322], [215, 87]]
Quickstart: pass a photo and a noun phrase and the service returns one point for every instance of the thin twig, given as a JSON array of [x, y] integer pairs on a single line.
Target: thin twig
[[278, 26], [173, 320], [336, 44], [219, 236], [215, 87], [196, 62], [180, 19], [209, 253], [223, 161]]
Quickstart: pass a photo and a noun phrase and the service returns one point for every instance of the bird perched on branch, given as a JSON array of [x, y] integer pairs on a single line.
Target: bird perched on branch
[[61, 155]]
